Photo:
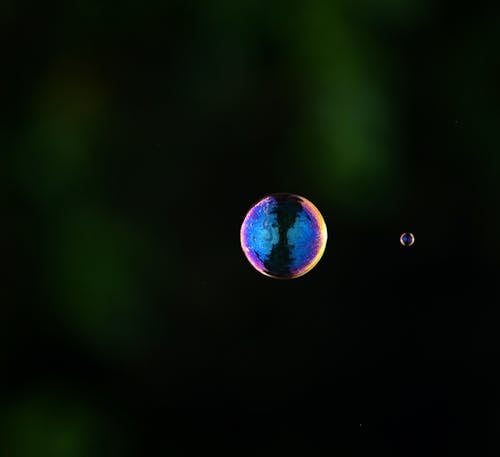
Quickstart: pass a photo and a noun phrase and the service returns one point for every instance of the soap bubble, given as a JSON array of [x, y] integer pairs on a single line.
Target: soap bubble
[[283, 236], [407, 239]]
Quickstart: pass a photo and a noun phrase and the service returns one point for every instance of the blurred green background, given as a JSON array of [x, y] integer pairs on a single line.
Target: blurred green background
[[135, 136]]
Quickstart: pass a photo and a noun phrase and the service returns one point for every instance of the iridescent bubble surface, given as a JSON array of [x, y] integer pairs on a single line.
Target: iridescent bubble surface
[[283, 236], [407, 239]]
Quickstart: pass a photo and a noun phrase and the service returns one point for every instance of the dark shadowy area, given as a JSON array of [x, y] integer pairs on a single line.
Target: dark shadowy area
[[133, 140]]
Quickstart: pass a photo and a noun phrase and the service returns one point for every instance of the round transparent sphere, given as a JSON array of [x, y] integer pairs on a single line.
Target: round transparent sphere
[[407, 239], [283, 236]]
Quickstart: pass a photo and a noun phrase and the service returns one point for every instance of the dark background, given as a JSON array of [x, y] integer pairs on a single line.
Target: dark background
[[135, 136]]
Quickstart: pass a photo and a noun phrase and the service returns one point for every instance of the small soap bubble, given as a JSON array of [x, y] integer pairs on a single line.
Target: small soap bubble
[[407, 239], [283, 236]]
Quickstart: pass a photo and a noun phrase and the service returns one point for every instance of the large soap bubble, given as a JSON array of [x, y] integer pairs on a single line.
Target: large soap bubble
[[283, 236]]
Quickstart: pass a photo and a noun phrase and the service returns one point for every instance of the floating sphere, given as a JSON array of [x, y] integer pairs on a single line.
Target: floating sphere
[[407, 239], [283, 236]]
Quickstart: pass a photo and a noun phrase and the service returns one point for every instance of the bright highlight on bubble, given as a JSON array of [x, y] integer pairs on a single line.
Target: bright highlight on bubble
[[283, 236], [407, 239]]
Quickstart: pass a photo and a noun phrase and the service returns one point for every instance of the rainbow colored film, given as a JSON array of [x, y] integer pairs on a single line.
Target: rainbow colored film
[[283, 236]]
